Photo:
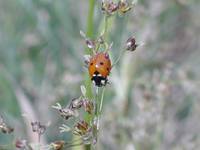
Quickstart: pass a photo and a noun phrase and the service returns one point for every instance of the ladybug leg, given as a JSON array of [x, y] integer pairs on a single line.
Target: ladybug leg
[[104, 81]]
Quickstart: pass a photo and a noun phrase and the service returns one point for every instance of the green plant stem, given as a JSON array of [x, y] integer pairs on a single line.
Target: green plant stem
[[96, 102], [90, 24], [89, 33], [105, 31], [88, 85], [101, 102]]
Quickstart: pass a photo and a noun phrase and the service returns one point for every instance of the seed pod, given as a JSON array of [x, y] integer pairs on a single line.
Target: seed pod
[[76, 103], [58, 145], [88, 106], [38, 127], [67, 113], [4, 127], [81, 128], [131, 44], [123, 7], [109, 7]]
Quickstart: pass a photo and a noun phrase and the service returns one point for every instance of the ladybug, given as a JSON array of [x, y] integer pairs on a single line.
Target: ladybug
[[99, 68]]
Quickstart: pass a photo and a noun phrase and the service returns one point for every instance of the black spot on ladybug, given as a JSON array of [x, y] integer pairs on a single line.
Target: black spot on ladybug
[[108, 69], [101, 63], [91, 64]]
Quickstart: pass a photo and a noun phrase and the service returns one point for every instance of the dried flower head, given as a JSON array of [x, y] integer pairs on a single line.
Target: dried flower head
[[57, 145], [131, 44], [38, 127], [66, 112], [88, 106], [81, 128], [4, 127], [86, 60], [76, 103], [109, 7], [91, 44], [123, 7]]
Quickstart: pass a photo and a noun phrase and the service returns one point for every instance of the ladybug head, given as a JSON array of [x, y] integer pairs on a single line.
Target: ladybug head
[[98, 79]]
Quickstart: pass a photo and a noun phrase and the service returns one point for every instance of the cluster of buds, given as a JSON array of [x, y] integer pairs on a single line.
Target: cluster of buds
[[4, 127], [75, 104], [109, 7], [38, 127], [80, 128]]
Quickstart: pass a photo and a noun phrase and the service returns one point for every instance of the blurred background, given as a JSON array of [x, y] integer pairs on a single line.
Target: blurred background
[[152, 103]]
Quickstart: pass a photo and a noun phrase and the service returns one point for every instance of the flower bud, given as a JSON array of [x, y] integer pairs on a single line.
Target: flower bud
[[90, 43]]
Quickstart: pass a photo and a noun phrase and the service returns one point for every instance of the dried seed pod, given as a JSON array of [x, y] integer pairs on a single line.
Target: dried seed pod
[[109, 7], [4, 127], [58, 145], [38, 127], [81, 128], [35, 126], [123, 7], [88, 106], [67, 113], [87, 60], [90, 43], [131, 44], [42, 129], [76, 103]]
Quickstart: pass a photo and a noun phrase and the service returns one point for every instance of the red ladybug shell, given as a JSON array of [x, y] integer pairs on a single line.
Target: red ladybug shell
[[99, 68]]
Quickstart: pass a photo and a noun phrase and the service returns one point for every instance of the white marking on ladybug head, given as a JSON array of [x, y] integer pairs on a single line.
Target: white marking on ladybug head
[[99, 75], [96, 66]]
